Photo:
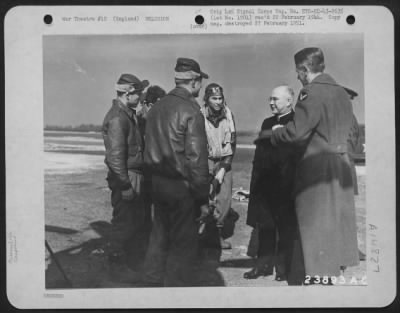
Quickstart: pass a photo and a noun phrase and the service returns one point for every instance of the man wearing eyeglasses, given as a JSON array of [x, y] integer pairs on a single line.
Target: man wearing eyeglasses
[[124, 158], [271, 204], [152, 95]]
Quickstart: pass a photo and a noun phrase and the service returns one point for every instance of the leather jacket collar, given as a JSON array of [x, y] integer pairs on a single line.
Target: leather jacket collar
[[184, 94], [123, 107], [285, 117]]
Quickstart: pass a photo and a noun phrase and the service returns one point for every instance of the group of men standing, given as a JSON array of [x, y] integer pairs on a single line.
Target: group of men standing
[[301, 193]]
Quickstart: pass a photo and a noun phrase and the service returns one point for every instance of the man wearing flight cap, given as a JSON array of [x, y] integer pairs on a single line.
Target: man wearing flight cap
[[176, 156], [124, 159], [324, 199]]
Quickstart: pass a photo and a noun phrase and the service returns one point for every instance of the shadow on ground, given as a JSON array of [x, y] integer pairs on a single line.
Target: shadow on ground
[[86, 265], [238, 263]]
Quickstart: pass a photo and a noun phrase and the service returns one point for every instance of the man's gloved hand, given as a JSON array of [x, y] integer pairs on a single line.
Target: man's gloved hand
[[220, 175], [213, 189], [204, 212], [128, 194]]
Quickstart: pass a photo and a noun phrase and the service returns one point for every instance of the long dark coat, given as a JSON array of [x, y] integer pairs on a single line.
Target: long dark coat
[[271, 185], [353, 144], [324, 198]]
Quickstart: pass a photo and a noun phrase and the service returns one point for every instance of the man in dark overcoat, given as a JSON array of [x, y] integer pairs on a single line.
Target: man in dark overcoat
[[271, 203], [324, 195], [176, 156]]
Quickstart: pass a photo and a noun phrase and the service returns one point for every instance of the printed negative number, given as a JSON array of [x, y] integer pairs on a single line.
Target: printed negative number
[[334, 280]]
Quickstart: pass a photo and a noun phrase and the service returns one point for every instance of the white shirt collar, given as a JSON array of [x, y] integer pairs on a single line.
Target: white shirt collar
[[284, 114]]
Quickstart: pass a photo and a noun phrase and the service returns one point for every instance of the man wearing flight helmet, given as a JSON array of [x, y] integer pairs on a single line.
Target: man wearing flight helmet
[[221, 138]]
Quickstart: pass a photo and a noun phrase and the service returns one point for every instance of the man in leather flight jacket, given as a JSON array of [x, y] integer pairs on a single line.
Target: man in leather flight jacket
[[124, 158], [177, 158]]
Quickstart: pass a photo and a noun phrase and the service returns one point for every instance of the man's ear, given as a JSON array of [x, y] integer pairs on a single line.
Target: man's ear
[[307, 69]]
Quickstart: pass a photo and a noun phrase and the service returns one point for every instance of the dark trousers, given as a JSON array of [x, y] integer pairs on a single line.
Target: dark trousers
[[129, 217], [127, 220], [272, 252], [173, 245], [278, 240]]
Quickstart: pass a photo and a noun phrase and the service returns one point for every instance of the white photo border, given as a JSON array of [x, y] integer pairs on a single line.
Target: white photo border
[[24, 30]]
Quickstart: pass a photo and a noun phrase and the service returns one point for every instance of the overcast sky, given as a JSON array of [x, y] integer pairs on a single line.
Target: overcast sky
[[80, 71]]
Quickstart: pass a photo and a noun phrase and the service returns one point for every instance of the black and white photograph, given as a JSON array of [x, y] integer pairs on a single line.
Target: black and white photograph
[[246, 203], [202, 161]]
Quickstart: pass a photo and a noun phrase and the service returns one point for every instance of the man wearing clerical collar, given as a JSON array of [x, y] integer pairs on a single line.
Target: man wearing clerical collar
[[221, 137], [271, 205], [281, 101]]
